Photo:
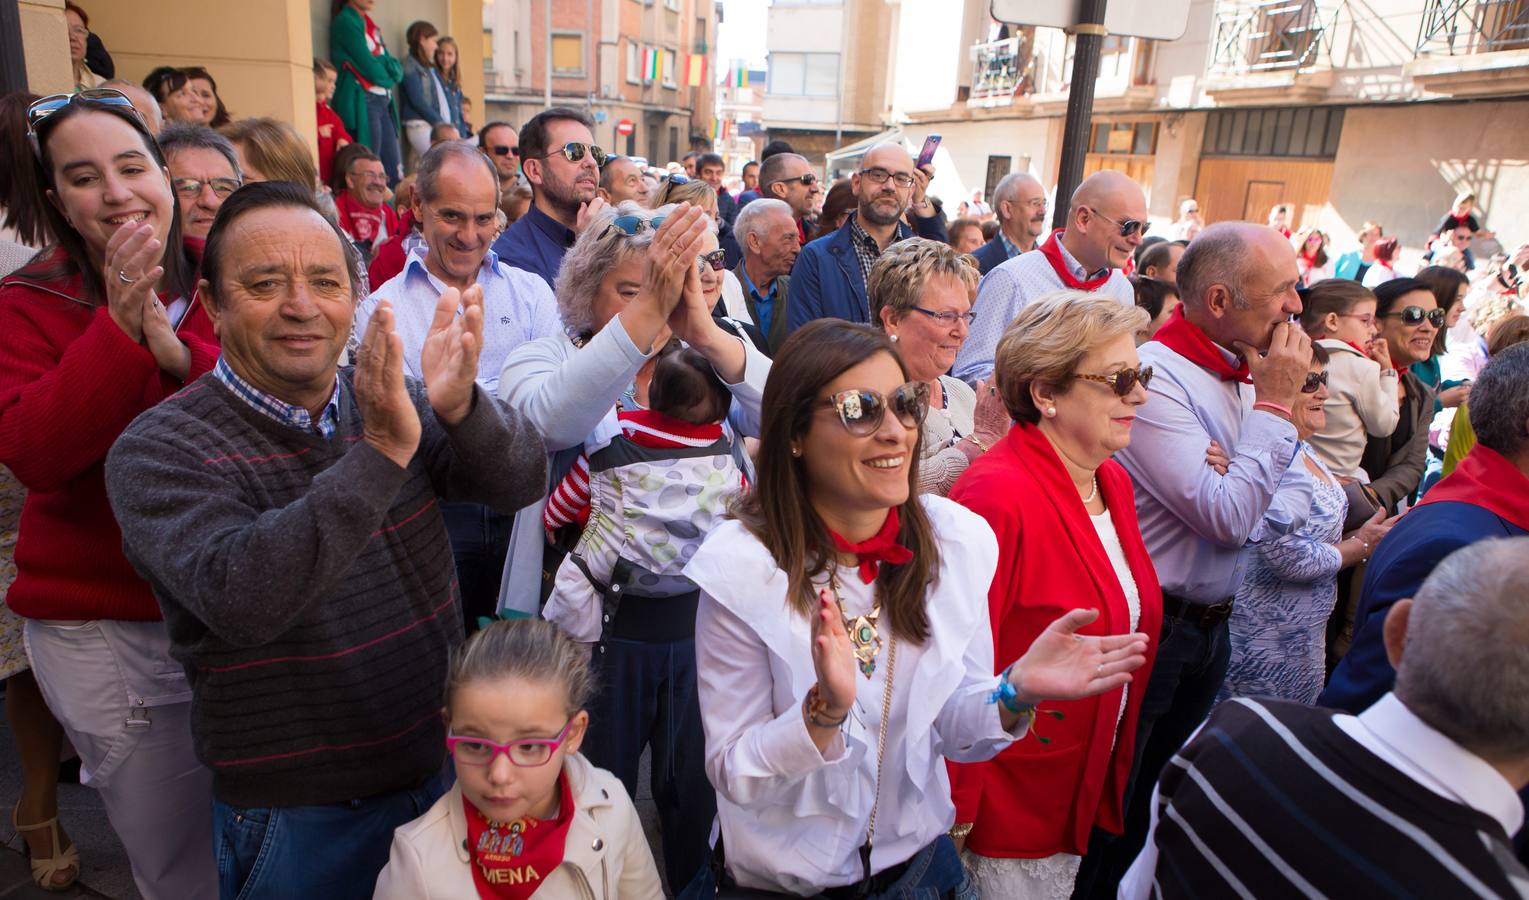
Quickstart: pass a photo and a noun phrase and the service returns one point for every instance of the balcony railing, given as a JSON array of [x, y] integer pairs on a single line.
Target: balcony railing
[[1457, 27], [1000, 70], [1257, 36]]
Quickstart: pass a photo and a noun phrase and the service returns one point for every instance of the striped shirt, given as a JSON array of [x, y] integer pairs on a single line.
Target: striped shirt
[[1275, 799], [278, 409]]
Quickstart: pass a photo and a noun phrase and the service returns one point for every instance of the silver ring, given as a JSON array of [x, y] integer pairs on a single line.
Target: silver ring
[[122, 277]]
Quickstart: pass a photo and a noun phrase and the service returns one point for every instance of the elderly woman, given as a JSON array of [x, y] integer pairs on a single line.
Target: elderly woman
[[98, 328], [629, 283], [843, 645], [204, 171], [1068, 540], [1278, 625], [921, 294]]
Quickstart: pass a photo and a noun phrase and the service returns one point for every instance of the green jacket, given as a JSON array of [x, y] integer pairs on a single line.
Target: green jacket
[[347, 50]]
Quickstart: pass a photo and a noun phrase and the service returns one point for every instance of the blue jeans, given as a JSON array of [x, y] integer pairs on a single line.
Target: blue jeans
[[1186, 676], [384, 136], [647, 698], [480, 539], [334, 851], [934, 873]]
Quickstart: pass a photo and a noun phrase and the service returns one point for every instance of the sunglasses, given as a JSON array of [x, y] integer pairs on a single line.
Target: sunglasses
[[1414, 315], [1127, 228], [1314, 380], [191, 188], [41, 109], [861, 411], [631, 226], [716, 259], [504, 150], [573, 151], [1122, 382], [807, 180]]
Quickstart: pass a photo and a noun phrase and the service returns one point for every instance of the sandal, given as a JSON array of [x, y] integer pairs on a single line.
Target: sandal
[[43, 870]]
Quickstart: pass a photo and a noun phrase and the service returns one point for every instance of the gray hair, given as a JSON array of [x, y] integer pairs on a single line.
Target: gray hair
[[534, 650], [751, 218], [178, 136], [598, 250], [1499, 404], [1218, 255], [430, 165], [1464, 670], [1007, 188]]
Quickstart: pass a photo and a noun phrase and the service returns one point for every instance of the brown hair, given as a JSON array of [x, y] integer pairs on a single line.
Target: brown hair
[[685, 387], [417, 34], [276, 150], [1507, 332], [533, 650], [779, 511], [453, 75], [21, 194], [1331, 295], [1046, 341], [838, 204]]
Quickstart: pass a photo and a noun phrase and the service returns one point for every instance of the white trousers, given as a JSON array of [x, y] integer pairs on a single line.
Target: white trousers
[[126, 707], [417, 133]]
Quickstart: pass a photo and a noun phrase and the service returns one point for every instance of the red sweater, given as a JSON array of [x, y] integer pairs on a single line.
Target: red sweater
[[1034, 799], [331, 133], [70, 382]]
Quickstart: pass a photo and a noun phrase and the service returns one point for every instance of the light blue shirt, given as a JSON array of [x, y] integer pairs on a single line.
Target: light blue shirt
[[1195, 522], [517, 307]]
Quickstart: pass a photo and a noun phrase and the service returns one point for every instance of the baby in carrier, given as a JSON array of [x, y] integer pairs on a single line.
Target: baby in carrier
[[646, 500]]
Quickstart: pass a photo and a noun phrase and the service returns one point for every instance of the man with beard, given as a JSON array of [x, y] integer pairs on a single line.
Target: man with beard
[[828, 280], [1105, 222], [559, 158], [456, 198], [1020, 202]]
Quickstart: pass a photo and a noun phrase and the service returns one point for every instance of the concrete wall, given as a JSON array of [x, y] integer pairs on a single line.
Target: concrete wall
[[45, 41], [1402, 166]]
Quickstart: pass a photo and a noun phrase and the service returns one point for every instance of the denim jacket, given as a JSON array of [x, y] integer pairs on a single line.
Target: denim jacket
[[418, 99]]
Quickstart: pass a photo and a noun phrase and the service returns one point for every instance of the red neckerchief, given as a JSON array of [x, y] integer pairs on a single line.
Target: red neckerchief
[[1486, 479], [1358, 349], [879, 548], [1053, 251], [1182, 337], [512, 859], [650, 428]]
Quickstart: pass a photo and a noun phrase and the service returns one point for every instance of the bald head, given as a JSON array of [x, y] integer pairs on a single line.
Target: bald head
[[1107, 189], [890, 155], [1237, 281], [1106, 221], [880, 199], [143, 101]]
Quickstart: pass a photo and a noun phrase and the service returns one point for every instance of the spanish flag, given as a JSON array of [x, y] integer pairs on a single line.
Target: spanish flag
[[695, 75]]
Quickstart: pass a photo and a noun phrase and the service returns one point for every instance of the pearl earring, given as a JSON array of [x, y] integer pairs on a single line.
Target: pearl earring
[[894, 338], [796, 451], [1051, 410]]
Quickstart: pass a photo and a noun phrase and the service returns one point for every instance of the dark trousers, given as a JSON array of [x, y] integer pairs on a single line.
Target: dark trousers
[[934, 873], [384, 136], [480, 540], [647, 698], [334, 851], [1186, 675]]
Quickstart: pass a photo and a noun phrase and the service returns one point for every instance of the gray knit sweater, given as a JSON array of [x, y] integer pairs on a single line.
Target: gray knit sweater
[[308, 584]]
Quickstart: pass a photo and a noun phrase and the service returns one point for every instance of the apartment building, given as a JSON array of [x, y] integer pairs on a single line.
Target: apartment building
[[644, 70], [1348, 111]]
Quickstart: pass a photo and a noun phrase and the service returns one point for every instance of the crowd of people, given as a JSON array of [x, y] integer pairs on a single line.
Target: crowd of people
[[372, 513]]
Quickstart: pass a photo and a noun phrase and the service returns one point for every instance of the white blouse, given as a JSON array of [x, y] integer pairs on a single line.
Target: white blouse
[[793, 818]]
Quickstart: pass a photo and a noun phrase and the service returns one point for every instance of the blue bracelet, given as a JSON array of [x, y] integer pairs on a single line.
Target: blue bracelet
[[1008, 696]]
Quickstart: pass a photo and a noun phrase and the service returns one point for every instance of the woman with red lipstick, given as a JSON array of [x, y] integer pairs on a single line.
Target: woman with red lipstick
[[1279, 620], [842, 644], [1409, 318], [1068, 544], [100, 327]]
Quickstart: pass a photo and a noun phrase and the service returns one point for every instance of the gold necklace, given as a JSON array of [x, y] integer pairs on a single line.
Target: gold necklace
[[862, 630]]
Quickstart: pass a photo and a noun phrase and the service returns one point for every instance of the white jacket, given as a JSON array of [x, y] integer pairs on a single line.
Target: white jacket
[[607, 856], [1361, 403]]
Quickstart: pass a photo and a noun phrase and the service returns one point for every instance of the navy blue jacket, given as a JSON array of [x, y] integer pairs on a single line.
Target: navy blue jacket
[[1405, 557], [535, 242], [826, 281], [992, 253]]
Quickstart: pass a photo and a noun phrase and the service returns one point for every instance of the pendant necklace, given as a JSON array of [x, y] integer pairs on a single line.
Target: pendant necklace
[[862, 630]]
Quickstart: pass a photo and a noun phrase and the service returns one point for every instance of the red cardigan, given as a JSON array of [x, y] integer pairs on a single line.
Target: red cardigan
[[70, 382], [1035, 799]]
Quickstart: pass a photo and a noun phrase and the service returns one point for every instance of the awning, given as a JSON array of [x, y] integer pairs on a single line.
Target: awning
[[847, 158]]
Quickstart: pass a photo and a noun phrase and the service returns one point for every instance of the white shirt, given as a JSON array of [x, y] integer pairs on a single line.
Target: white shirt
[[1195, 522], [517, 307], [1378, 274], [1011, 286], [1413, 747], [794, 818]]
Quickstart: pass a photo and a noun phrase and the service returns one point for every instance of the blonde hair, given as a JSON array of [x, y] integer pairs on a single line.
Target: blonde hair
[[903, 270], [695, 191], [530, 649], [275, 149], [1490, 310], [1047, 340]]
